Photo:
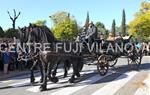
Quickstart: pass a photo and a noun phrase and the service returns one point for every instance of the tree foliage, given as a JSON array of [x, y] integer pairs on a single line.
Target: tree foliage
[[59, 17], [2, 34], [65, 27], [113, 29], [40, 23], [101, 29], [87, 20], [10, 33], [140, 26], [123, 25]]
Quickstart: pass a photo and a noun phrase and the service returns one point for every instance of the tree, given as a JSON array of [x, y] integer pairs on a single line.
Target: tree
[[59, 17], [113, 29], [106, 33], [101, 29], [14, 18], [87, 20], [123, 25], [40, 23], [140, 26], [1, 32], [144, 8], [10, 33], [65, 27], [118, 30], [100, 25]]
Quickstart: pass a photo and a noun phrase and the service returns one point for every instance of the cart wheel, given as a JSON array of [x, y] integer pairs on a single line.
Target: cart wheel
[[102, 65], [113, 63], [136, 61]]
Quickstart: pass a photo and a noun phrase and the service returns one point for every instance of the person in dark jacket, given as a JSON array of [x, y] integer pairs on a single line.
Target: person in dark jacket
[[91, 34]]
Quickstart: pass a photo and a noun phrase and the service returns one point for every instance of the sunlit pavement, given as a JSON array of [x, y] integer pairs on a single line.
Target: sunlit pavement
[[120, 80]]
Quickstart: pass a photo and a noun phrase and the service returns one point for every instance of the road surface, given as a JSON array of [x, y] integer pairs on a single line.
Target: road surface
[[120, 80]]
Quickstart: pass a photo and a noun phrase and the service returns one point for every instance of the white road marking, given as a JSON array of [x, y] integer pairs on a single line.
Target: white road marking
[[27, 81], [87, 82], [24, 82], [112, 87], [36, 89], [5, 81], [17, 78], [145, 90]]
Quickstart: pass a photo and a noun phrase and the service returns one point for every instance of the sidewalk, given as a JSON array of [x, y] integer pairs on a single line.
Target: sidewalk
[[12, 74]]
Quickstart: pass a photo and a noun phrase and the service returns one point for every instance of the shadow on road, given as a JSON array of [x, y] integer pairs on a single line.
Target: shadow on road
[[117, 71]]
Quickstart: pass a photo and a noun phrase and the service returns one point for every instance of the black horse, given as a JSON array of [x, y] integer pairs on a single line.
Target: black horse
[[32, 58], [37, 34]]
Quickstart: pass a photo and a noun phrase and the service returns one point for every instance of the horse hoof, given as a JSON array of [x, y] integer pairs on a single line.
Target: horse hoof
[[42, 88], [53, 74], [55, 79], [65, 75], [32, 81], [71, 80], [41, 80], [78, 75]]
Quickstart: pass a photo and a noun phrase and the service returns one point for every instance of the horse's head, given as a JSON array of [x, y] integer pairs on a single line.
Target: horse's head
[[41, 34], [23, 34], [34, 36], [37, 34]]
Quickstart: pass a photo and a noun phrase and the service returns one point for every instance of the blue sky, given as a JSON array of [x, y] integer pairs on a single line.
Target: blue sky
[[100, 10]]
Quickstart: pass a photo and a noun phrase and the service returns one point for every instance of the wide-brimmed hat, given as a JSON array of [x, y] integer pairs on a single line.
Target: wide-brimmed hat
[[110, 34], [91, 22]]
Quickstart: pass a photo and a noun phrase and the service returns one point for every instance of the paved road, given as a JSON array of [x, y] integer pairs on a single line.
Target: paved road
[[119, 81]]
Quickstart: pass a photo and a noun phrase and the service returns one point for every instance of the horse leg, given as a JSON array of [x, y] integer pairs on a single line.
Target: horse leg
[[52, 78], [76, 65], [56, 66], [32, 79], [66, 68], [49, 70], [75, 72], [55, 70], [41, 71], [79, 66], [43, 86]]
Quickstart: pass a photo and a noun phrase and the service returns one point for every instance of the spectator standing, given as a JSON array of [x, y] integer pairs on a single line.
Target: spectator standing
[[6, 59]]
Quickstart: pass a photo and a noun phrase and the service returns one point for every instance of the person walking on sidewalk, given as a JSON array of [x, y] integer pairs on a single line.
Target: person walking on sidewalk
[[6, 59]]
